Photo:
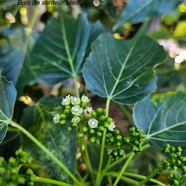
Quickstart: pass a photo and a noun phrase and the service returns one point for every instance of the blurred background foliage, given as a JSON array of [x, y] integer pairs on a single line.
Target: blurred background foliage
[[20, 26]]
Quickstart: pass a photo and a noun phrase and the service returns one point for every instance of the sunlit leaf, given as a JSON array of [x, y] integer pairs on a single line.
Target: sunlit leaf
[[163, 122], [37, 119], [122, 70], [62, 47], [139, 10]]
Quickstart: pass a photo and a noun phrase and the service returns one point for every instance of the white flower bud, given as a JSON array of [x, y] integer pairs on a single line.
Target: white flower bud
[[93, 123], [88, 110], [85, 99], [112, 126], [75, 119], [76, 110], [56, 118], [75, 100], [66, 100]]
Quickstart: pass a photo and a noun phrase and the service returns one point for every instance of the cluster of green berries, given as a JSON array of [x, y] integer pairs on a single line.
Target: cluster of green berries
[[176, 164], [135, 140], [94, 122], [11, 172], [115, 139]]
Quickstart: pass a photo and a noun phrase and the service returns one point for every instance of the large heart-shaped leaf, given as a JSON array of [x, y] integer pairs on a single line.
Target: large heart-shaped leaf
[[13, 45], [163, 122], [37, 119], [62, 47], [122, 70], [137, 11], [7, 101]]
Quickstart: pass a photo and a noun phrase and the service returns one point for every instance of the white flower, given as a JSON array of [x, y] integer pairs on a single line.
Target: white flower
[[112, 126], [75, 100], [76, 110], [56, 118], [85, 99], [66, 100], [88, 110], [93, 123], [75, 120]]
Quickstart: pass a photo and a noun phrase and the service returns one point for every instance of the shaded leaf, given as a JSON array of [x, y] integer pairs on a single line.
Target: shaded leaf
[[13, 44], [122, 70], [138, 11], [7, 101], [62, 47], [163, 122], [37, 119]]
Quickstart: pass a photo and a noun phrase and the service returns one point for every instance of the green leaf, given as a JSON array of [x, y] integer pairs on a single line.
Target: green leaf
[[163, 122], [13, 44], [138, 11], [7, 101], [62, 47], [38, 120], [122, 70]]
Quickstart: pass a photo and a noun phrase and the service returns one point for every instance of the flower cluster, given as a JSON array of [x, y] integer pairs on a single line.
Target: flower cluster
[[94, 122], [176, 164], [77, 110], [10, 171]]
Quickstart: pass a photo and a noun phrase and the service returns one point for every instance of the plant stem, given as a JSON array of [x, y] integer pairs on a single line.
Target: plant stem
[[108, 105], [143, 177], [124, 168], [33, 20], [41, 146], [50, 181], [98, 178], [123, 158], [151, 175]]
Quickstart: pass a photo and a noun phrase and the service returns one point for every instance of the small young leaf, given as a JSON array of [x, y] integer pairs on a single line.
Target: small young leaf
[[62, 47], [138, 11], [122, 70], [163, 122], [37, 119], [7, 101]]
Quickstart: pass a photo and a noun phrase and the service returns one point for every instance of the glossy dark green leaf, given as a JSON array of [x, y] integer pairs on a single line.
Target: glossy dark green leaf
[[138, 11], [122, 70], [62, 47], [163, 122], [37, 119], [7, 101], [13, 44]]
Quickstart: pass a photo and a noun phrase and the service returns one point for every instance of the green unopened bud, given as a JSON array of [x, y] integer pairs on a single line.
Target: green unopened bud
[[81, 135], [101, 128], [92, 131], [93, 113], [63, 122], [69, 128], [74, 125], [93, 139], [176, 183], [99, 111], [85, 129], [99, 133], [106, 124], [12, 161], [63, 116], [109, 119], [102, 118]]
